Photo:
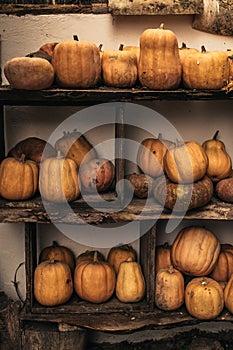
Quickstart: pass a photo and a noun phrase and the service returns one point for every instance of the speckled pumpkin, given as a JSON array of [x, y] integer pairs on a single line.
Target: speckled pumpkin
[[224, 190], [141, 183]]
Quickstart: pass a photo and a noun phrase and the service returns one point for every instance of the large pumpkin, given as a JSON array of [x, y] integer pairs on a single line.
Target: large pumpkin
[[195, 251], [118, 254], [159, 63], [53, 283], [224, 267], [18, 178]]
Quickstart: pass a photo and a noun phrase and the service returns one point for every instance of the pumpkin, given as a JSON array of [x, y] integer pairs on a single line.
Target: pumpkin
[[59, 253], [206, 70], [169, 289], [224, 190], [130, 283], [162, 257], [29, 73], [183, 197], [48, 48], [219, 161], [134, 49], [94, 281], [150, 156], [88, 256], [119, 68], [228, 295], [186, 51], [18, 178], [53, 283], [204, 298], [58, 180], [118, 254], [74, 145], [195, 251], [230, 59], [224, 266], [141, 183], [159, 63], [33, 148], [96, 175], [186, 163], [76, 64]]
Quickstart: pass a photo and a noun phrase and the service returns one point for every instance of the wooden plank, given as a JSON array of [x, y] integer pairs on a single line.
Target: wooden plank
[[119, 150], [30, 262]]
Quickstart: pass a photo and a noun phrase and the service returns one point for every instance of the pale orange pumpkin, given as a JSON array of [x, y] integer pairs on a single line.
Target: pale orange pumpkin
[[224, 266], [88, 256], [118, 254], [162, 257]]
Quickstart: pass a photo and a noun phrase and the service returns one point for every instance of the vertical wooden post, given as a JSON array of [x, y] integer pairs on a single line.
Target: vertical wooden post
[[119, 149], [2, 134]]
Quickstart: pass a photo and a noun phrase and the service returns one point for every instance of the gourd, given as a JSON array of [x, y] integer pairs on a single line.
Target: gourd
[[96, 175], [18, 178], [133, 48], [118, 254], [183, 197], [58, 180], [48, 48], [76, 64], [119, 68], [195, 251], [204, 298], [159, 63], [59, 253], [141, 183], [162, 257], [88, 256], [186, 51], [206, 70], [228, 295], [29, 73], [230, 59], [224, 266], [130, 283], [53, 283], [219, 161], [94, 281], [150, 156], [169, 289], [224, 190], [186, 163]]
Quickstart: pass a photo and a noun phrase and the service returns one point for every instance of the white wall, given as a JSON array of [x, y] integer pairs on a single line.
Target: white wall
[[194, 120]]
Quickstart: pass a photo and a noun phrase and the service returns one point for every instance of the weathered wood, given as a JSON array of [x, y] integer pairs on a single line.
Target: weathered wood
[[119, 150], [217, 17], [30, 262]]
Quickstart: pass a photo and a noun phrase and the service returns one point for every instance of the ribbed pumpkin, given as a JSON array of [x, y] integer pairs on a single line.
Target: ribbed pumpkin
[[76, 64], [186, 163], [162, 257], [159, 63], [186, 51], [118, 254], [59, 253], [75, 146], [88, 256], [228, 295], [204, 298], [169, 289], [130, 284], [150, 156], [58, 180], [224, 267], [183, 197], [29, 73], [224, 190], [94, 281], [134, 49], [18, 178], [206, 70], [219, 161], [195, 251], [141, 183]]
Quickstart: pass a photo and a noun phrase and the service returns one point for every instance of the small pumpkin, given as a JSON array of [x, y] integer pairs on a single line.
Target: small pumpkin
[[48, 48], [169, 289], [53, 283], [94, 281], [130, 284], [228, 295], [204, 298], [88, 256], [133, 48], [224, 266], [141, 183], [118, 254], [162, 257], [224, 190], [186, 51]]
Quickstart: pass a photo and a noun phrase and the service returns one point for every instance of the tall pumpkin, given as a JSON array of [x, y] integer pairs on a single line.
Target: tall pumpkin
[[159, 63]]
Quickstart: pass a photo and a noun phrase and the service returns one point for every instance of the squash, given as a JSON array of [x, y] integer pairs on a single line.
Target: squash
[[159, 63], [195, 251], [206, 70], [29, 73], [224, 266], [162, 257], [130, 283], [150, 156], [224, 190], [48, 48], [219, 161], [230, 59], [118, 254], [88, 256], [59, 253], [204, 298], [94, 281], [183, 197], [141, 183], [186, 163], [96, 175], [18, 178], [186, 51], [169, 289], [58, 180], [228, 295], [53, 283], [133, 48], [76, 64]]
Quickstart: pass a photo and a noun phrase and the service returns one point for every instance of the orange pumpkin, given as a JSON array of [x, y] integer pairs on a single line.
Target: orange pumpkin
[[162, 257], [88, 256], [118, 254], [228, 295], [224, 267]]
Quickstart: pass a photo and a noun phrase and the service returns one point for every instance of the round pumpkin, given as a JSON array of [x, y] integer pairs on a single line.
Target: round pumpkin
[[94, 281], [141, 183], [118, 254], [169, 289], [133, 48], [195, 251], [228, 295], [162, 257], [88, 256], [224, 266], [29, 73], [186, 51], [53, 283], [224, 190], [204, 298]]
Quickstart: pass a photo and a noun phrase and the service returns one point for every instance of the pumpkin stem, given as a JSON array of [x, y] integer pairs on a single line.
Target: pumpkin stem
[[183, 46], [121, 47], [75, 37], [171, 269], [161, 26], [59, 155], [129, 260], [204, 282], [22, 158], [215, 135], [203, 49], [100, 47], [95, 258], [160, 136], [55, 244]]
